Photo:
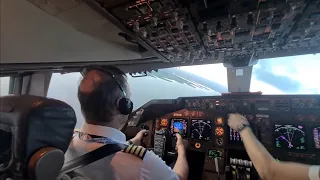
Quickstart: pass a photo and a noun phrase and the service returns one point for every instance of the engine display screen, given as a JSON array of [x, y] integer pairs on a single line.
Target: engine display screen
[[290, 137], [179, 126], [234, 136], [201, 129], [316, 137], [215, 153]]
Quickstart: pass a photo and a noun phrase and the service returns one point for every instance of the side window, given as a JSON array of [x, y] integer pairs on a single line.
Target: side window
[[64, 87], [4, 85]]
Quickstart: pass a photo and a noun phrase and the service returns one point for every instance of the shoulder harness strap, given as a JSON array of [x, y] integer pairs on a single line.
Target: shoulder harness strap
[[137, 151]]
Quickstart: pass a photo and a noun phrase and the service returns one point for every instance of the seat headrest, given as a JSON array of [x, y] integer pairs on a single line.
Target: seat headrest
[[46, 161], [33, 123]]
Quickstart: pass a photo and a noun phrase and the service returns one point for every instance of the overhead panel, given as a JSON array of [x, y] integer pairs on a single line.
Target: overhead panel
[[219, 31]]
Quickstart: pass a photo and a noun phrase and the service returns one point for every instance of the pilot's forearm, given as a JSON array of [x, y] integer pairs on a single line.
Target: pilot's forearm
[[267, 167], [258, 154], [134, 141], [181, 167]]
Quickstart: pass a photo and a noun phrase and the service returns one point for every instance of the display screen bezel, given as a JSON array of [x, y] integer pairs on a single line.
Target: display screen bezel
[[233, 142], [190, 126], [313, 138], [180, 119], [215, 150], [295, 125]]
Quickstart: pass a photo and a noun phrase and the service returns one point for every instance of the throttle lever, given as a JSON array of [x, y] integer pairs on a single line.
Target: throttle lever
[[144, 127], [173, 153]]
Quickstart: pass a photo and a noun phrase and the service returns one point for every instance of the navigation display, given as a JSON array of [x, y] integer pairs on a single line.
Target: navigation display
[[290, 137], [215, 153], [179, 126], [201, 129], [316, 137], [234, 136]]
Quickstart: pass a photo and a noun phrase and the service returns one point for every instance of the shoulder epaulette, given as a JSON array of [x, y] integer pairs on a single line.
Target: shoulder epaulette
[[137, 151]]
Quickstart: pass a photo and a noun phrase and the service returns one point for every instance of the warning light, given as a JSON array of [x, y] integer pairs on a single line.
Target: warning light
[[164, 122], [219, 131], [197, 145], [219, 121]]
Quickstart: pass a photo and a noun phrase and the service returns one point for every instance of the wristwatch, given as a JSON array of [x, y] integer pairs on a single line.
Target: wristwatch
[[243, 127], [130, 142]]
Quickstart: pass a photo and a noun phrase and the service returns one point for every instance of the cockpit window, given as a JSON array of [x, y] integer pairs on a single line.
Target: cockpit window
[[287, 75], [165, 84], [4, 85]]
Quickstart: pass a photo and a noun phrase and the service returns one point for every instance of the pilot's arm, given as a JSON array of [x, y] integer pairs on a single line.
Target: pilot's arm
[[155, 168], [181, 167], [138, 138], [267, 167]]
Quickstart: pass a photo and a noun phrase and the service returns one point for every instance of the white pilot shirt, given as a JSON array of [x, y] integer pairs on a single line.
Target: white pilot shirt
[[119, 166]]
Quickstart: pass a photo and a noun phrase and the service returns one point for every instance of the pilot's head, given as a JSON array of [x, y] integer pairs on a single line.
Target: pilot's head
[[104, 96]]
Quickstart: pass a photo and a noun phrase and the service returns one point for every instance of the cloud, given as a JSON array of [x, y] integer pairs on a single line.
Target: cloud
[[283, 83], [282, 75], [299, 74], [214, 72]]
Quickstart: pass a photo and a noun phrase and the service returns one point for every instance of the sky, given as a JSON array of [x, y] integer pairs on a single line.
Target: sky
[[285, 75]]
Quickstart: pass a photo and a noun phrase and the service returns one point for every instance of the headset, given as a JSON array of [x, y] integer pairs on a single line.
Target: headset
[[123, 104]]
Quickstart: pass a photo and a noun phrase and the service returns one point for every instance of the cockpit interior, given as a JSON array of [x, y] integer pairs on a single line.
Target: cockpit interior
[[288, 126], [41, 37]]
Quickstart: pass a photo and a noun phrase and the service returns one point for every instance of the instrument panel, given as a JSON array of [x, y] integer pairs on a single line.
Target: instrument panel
[[213, 131], [288, 126]]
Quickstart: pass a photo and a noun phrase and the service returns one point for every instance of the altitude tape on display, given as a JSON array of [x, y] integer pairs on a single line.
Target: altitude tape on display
[[314, 173]]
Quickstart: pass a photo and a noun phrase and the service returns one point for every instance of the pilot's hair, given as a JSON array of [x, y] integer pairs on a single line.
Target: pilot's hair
[[99, 105]]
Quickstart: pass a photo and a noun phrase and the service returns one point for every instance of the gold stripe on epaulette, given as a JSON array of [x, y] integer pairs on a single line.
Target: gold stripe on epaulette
[[142, 153], [127, 150], [133, 149], [136, 153]]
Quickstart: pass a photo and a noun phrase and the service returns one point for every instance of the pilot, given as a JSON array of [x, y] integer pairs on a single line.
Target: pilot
[[267, 167], [99, 93]]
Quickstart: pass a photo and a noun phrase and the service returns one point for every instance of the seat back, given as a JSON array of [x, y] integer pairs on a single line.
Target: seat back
[[35, 130]]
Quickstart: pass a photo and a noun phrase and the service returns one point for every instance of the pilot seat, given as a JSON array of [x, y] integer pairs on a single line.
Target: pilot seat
[[35, 132]]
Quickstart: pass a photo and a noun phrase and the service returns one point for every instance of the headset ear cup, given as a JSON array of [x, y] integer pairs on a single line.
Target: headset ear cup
[[125, 106]]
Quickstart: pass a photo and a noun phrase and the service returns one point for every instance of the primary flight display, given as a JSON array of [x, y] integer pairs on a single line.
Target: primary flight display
[[201, 129]]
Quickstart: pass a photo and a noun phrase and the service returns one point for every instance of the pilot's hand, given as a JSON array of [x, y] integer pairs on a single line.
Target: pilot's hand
[[181, 144], [137, 139], [236, 121]]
